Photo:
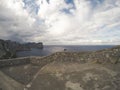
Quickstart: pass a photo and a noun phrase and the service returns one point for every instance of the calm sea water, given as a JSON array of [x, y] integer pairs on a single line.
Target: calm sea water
[[47, 50]]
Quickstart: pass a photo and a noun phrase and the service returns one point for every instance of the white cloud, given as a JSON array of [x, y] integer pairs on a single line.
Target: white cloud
[[16, 23], [89, 22]]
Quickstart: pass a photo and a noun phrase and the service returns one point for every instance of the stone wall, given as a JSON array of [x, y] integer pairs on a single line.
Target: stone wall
[[14, 62]]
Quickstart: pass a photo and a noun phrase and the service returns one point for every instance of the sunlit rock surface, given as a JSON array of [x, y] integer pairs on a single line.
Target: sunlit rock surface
[[97, 70]]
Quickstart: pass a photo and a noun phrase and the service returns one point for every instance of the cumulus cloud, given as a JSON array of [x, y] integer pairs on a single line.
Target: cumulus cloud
[[61, 21]]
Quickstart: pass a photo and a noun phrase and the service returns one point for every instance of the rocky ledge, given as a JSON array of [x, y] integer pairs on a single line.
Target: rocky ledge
[[9, 48]]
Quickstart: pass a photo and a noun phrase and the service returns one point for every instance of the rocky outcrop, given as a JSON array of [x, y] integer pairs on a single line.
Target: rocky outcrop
[[9, 48]]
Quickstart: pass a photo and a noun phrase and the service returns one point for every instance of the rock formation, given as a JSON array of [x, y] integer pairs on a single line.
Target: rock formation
[[9, 48]]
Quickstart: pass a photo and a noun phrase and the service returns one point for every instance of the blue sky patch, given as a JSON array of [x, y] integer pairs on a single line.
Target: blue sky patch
[[31, 5], [95, 3], [67, 11], [69, 1]]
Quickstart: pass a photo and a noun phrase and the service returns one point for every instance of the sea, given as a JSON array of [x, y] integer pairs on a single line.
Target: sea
[[49, 49]]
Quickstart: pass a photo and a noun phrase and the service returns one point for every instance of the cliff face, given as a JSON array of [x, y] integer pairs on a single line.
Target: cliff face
[[8, 48]]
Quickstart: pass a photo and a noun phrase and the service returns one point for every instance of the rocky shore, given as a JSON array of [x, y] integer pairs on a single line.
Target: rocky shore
[[96, 70], [9, 48]]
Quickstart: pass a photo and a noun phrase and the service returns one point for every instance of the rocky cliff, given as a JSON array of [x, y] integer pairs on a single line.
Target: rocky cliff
[[6, 49], [9, 48]]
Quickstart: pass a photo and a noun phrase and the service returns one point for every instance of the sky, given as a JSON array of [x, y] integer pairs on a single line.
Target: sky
[[61, 22]]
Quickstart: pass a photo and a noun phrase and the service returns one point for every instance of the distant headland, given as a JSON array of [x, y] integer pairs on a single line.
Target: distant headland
[[9, 48]]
